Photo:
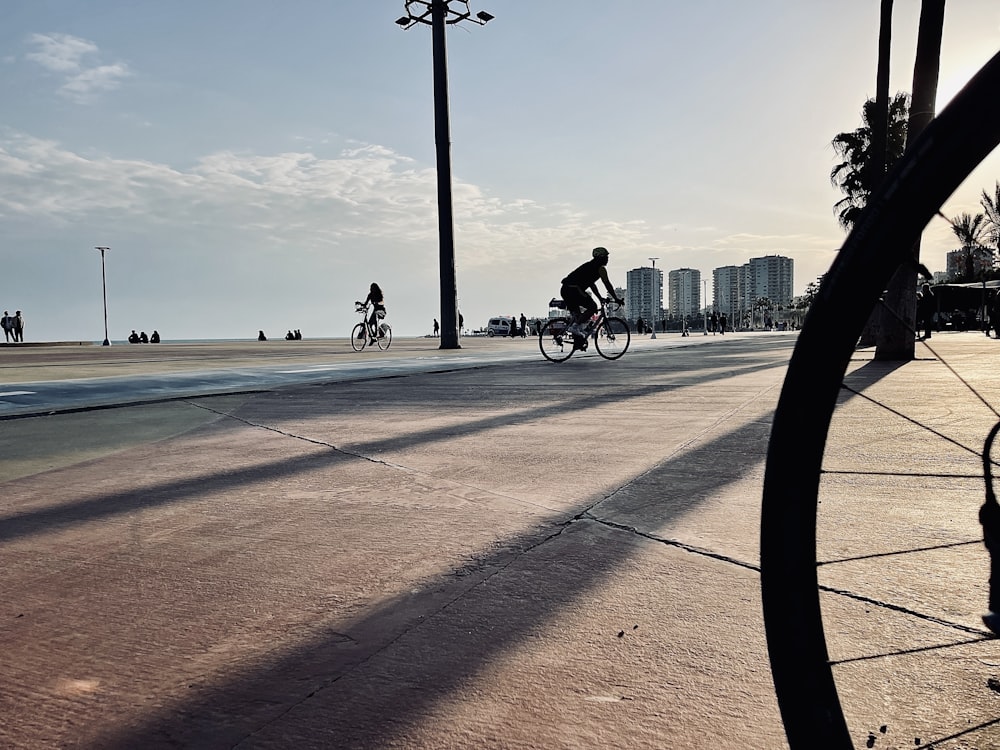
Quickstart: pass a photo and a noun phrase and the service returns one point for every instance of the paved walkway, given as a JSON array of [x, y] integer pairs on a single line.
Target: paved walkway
[[518, 556]]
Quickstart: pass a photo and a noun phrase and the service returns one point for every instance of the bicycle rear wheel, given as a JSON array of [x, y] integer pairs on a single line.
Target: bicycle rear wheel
[[359, 337], [928, 173], [384, 337], [555, 341], [612, 338]]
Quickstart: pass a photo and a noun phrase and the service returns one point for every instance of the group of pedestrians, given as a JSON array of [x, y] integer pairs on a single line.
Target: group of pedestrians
[[142, 338], [718, 323], [13, 326]]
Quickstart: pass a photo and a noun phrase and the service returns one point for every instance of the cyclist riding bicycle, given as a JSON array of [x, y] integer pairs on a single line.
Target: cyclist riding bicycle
[[574, 290], [377, 300]]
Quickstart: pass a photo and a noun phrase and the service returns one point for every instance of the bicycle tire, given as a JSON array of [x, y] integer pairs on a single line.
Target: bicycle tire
[[385, 338], [947, 151], [359, 337], [615, 335], [554, 342]]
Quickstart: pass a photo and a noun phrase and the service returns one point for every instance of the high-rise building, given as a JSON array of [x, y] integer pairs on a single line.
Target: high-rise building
[[727, 290], [644, 294], [772, 277], [684, 286], [968, 262]]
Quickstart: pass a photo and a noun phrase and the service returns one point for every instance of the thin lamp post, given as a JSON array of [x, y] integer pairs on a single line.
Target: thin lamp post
[[438, 13], [704, 285], [652, 282], [104, 289]]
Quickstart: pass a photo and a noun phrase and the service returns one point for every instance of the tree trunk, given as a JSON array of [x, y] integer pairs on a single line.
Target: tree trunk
[[899, 314], [880, 125], [880, 139]]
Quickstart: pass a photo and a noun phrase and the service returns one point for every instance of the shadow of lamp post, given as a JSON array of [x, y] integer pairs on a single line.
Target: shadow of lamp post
[[436, 14], [104, 289]]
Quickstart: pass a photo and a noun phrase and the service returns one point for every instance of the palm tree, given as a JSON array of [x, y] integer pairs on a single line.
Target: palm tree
[[991, 207], [973, 232], [970, 230], [895, 339], [859, 174]]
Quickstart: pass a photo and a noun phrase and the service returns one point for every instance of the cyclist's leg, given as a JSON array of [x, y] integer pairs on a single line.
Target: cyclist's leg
[[575, 298]]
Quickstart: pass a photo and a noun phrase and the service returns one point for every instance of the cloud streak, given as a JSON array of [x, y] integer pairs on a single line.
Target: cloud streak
[[70, 58]]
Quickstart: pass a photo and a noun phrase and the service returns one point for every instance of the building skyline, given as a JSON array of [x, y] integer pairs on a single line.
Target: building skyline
[[644, 294], [684, 293]]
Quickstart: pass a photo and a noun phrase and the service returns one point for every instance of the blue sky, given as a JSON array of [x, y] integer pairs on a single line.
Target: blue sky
[[255, 165]]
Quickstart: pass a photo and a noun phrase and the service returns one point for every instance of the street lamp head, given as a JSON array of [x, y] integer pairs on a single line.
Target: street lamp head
[[484, 16], [403, 21]]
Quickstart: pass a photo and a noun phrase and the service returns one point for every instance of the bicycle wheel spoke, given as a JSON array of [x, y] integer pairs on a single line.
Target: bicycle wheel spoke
[[359, 337], [384, 337], [555, 342], [612, 338]]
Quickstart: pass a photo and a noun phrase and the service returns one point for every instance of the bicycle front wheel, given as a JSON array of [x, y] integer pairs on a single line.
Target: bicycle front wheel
[[384, 336], [882, 241], [612, 338], [555, 341], [359, 337]]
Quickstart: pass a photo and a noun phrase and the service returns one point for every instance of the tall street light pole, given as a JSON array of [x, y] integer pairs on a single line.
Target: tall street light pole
[[704, 302], [438, 13], [652, 287], [104, 289]]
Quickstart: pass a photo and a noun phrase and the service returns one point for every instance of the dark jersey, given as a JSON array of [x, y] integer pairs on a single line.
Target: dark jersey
[[586, 275]]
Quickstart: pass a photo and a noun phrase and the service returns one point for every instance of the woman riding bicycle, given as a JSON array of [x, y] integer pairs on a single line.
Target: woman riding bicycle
[[377, 300], [574, 289]]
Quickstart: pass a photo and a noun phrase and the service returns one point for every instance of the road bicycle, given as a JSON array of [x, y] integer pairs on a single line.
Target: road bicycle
[[610, 335], [797, 476], [363, 334]]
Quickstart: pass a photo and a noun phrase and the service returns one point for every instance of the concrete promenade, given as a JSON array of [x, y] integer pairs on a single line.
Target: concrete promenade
[[524, 555]]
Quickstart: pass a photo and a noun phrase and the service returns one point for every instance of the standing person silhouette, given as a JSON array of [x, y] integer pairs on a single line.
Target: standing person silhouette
[[925, 310]]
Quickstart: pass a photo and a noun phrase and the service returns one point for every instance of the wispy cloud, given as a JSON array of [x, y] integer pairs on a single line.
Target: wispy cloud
[[77, 62]]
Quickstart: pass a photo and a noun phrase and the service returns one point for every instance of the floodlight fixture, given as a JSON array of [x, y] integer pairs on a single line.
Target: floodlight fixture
[[422, 11]]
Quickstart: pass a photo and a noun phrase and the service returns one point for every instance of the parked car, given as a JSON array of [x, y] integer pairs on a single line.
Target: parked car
[[498, 327]]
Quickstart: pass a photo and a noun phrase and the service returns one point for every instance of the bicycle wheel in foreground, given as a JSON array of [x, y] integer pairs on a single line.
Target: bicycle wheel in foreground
[[556, 344], [612, 338], [385, 336], [881, 242], [359, 337]]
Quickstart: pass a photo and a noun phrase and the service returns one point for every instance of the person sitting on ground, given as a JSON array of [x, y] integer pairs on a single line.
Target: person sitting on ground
[[133, 338], [574, 290], [289, 336], [143, 338], [377, 300], [155, 337], [261, 336]]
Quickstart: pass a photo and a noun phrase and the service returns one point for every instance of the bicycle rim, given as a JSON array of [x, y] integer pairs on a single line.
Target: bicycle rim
[[928, 173], [385, 339], [359, 337], [612, 338], [554, 341]]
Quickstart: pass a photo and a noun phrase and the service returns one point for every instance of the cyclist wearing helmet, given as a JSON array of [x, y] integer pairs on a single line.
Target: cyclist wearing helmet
[[574, 289]]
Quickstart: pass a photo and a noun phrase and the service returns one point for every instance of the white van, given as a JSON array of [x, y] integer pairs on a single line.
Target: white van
[[498, 327]]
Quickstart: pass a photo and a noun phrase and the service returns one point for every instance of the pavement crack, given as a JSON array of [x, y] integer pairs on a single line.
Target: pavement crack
[[363, 457]]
